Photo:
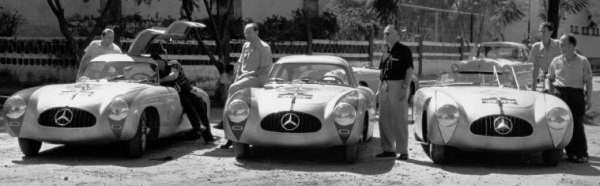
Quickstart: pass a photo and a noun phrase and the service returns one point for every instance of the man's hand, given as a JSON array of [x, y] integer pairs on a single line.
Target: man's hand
[[546, 91], [588, 103]]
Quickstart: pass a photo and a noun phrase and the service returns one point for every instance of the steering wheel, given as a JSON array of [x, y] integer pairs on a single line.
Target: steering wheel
[[140, 76], [335, 78]]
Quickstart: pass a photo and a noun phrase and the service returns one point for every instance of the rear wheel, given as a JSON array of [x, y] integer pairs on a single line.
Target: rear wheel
[[552, 157], [351, 153], [29, 147], [241, 150], [137, 146], [438, 153]]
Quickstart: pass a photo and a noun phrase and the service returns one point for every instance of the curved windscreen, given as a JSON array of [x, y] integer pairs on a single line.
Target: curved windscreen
[[503, 52], [310, 73], [120, 71], [486, 79]]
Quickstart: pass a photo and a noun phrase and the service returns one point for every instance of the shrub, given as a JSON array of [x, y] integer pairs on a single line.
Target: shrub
[[9, 22]]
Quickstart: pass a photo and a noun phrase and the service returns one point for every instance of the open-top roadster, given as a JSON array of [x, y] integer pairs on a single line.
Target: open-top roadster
[[490, 111]]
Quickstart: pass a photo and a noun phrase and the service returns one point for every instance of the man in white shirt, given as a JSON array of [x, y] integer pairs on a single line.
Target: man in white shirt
[[99, 47], [543, 52]]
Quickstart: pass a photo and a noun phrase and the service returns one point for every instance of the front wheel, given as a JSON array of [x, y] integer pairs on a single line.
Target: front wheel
[[552, 157], [241, 150], [137, 146], [29, 147], [351, 153], [438, 153]]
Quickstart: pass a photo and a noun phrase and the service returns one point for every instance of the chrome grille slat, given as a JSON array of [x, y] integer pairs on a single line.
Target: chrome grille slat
[[308, 123], [485, 126], [81, 118]]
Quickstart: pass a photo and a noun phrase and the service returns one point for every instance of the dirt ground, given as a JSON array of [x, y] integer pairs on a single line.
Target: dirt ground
[[177, 162]]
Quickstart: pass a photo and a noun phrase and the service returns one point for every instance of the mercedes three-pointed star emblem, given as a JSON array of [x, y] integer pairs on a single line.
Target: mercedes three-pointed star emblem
[[503, 125], [290, 121], [63, 117]]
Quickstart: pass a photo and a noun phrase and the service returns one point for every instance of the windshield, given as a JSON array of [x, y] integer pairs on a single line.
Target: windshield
[[310, 73], [120, 71], [503, 52], [487, 79]]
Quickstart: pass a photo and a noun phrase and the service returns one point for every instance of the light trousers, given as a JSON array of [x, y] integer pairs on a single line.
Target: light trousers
[[393, 114]]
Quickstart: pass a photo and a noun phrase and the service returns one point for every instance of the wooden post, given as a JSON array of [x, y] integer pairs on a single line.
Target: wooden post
[[459, 39], [370, 47], [419, 39]]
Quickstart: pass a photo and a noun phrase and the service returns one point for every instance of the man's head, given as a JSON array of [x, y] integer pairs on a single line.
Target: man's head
[[391, 34], [251, 32], [108, 35], [567, 43], [546, 29]]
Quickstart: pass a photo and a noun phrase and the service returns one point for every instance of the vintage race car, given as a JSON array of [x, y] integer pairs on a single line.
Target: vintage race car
[[308, 102], [117, 99], [501, 55], [483, 111]]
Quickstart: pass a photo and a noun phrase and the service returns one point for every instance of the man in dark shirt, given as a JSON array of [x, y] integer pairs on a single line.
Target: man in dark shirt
[[396, 73]]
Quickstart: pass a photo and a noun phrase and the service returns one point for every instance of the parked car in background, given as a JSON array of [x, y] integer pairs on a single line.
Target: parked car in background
[[502, 55], [489, 111], [118, 98], [308, 102]]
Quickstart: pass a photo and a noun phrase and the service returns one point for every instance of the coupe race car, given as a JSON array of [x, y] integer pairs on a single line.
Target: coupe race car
[[118, 98], [499, 54], [483, 111], [308, 102]]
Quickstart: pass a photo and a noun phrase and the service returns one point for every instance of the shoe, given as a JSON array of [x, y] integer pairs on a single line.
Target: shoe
[[571, 158], [581, 159], [226, 145], [192, 135], [386, 154], [403, 157], [219, 125]]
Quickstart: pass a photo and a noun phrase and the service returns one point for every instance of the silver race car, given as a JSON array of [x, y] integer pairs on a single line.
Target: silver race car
[[308, 102], [117, 99], [490, 111]]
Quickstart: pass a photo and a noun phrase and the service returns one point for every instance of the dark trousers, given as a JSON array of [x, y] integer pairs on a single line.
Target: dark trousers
[[575, 99], [195, 109]]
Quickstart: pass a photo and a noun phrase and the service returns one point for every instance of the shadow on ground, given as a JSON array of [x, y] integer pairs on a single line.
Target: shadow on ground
[[158, 152], [312, 160]]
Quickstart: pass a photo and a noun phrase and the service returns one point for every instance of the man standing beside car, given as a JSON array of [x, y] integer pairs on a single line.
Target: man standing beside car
[[99, 47], [255, 63], [568, 75], [396, 73], [543, 52]]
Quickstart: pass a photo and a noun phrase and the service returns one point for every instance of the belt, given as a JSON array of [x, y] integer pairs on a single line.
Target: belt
[[569, 89]]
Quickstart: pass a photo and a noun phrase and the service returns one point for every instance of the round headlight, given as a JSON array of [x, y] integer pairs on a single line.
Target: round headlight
[[14, 107], [118, 109], [238, 111], [557, 118], [447, 115], [344, 114]]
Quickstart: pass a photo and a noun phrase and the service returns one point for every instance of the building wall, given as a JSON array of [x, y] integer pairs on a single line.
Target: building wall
[[259, 10]]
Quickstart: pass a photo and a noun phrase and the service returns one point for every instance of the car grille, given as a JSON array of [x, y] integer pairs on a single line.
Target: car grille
[[485, 126], [81, 118], [307, 123]]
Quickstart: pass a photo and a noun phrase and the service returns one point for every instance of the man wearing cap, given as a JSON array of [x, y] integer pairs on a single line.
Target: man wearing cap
[[543, 52], [396, 72], [568, 75]]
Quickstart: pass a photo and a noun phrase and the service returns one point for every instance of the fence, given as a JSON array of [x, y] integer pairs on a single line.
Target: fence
[[44, 61]]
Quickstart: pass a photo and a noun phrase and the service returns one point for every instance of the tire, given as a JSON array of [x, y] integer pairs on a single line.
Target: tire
[[241, 150], [437, 153], [552, 157], [351, 153], [426, 149], [30, 147], [137, 146]]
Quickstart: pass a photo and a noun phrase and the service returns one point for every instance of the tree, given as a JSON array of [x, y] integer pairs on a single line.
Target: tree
[[385, 10], [107, 15], [553, 10]]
